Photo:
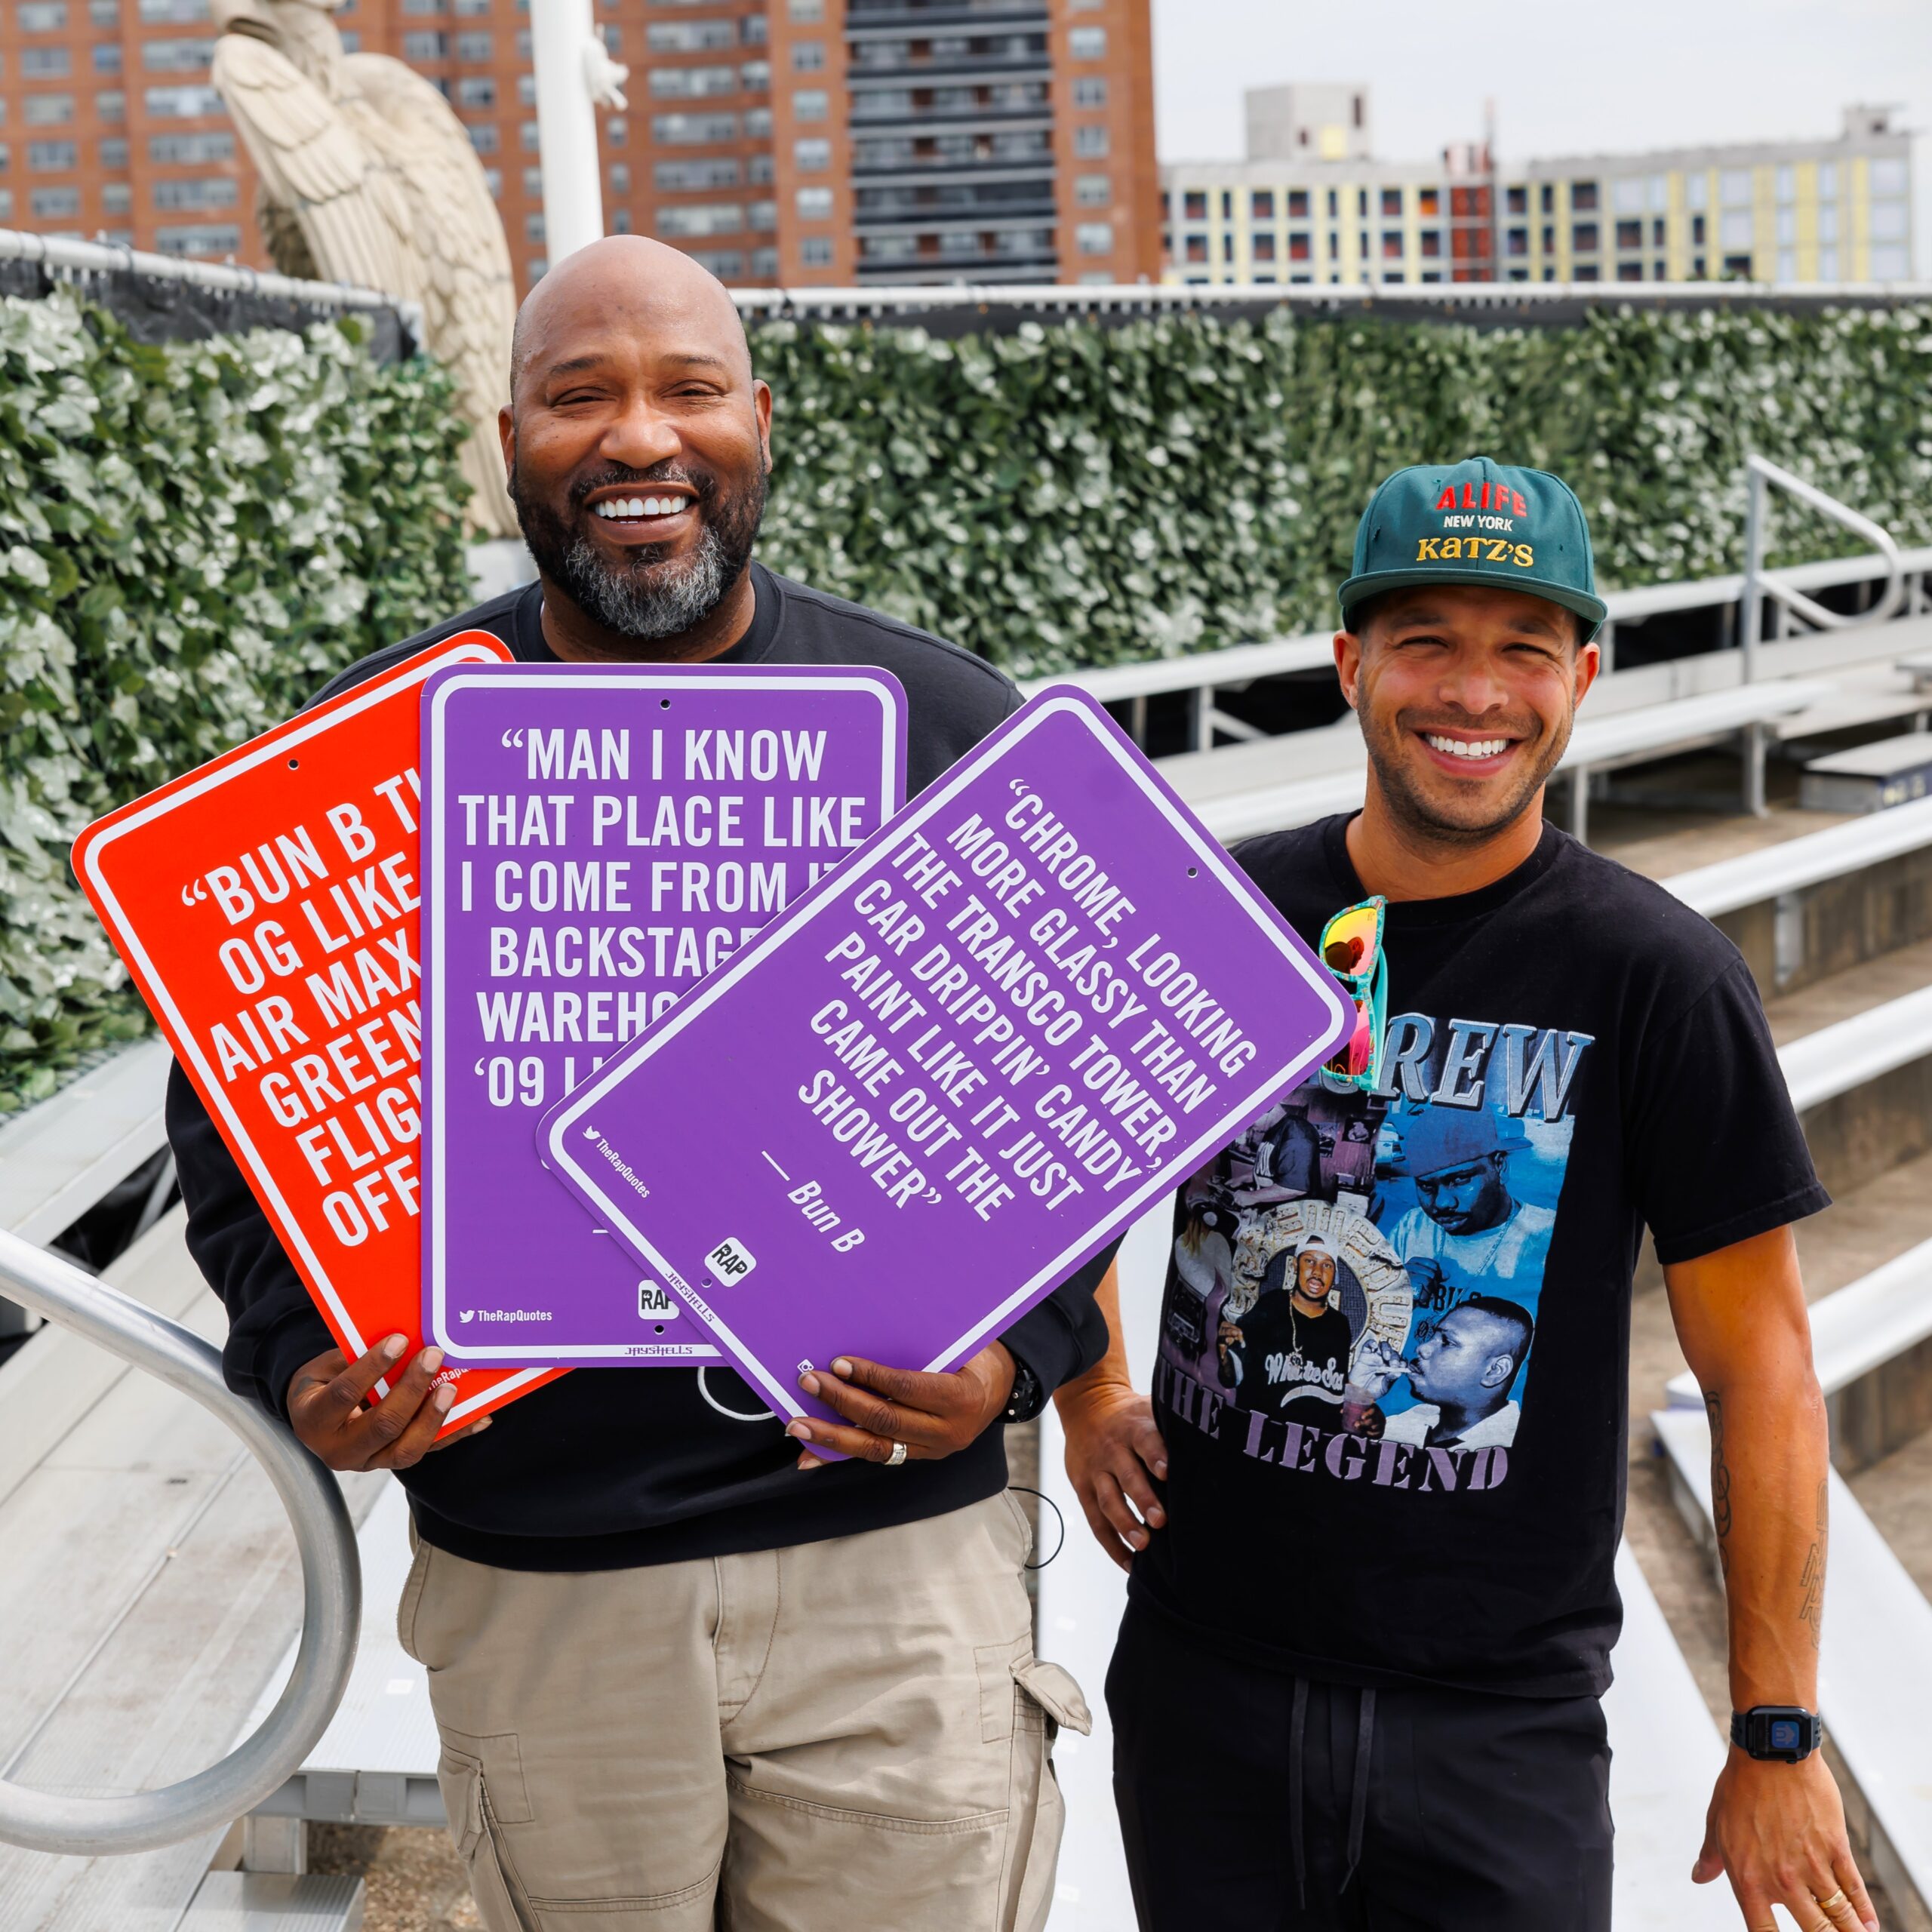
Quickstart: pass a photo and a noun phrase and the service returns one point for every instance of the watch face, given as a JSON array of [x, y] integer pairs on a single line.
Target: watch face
[[1787, 1734]]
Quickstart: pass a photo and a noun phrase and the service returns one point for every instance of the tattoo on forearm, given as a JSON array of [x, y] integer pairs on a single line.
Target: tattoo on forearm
[[1811, 1612], [1720, 1480]]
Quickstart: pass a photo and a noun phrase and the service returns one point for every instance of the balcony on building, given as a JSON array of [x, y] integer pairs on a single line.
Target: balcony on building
[[979, 249], [866, 18]]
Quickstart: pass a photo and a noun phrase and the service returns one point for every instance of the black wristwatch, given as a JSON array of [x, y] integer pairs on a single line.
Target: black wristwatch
[[1026, 1398], [1785, 1734]]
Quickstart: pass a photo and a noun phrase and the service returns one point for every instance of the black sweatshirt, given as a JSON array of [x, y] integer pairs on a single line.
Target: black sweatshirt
[[607, 1468]]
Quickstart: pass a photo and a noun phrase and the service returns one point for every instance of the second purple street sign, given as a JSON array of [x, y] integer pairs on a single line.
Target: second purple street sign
[[956, 1069], [595, 842]]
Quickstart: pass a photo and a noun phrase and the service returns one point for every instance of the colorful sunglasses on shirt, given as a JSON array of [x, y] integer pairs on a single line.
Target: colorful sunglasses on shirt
[[1351, 950]]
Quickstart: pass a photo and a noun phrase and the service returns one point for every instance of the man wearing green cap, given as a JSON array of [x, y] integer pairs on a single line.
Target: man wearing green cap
[[1568, 1051]]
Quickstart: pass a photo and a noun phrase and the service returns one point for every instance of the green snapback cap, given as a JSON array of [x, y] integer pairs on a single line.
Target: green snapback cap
[[1476, 522]]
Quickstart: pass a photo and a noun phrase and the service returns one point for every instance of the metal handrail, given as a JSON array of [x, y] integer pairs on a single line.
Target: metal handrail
[[331, 1582], [1760, 582]]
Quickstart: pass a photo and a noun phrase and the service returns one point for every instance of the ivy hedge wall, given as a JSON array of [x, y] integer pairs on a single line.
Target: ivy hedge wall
[[192, 536], [1075, 495]]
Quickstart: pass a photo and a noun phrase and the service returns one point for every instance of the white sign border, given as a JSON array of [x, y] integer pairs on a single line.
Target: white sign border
[[832, 890], [875, 681]]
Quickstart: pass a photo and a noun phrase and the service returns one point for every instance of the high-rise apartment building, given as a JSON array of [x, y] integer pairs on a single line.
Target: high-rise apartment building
[[835, 142], [1832, 211]]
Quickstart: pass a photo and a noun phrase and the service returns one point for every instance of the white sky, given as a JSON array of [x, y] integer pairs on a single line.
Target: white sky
[[1567, 76]]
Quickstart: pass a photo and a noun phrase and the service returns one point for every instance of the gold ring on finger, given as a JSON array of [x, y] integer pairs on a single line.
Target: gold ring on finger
[[1835, 1904]]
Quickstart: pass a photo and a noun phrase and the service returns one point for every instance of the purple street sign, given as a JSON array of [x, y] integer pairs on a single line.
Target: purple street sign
[[956, 1068], [596, 841]]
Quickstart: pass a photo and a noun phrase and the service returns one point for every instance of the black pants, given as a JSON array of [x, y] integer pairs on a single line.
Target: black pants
[[1252, 1801]]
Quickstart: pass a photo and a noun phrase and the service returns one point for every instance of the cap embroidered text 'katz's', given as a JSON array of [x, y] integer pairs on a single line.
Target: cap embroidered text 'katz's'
[[1475, 522]]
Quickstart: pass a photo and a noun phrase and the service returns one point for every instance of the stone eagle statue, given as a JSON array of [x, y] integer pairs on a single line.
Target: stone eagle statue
[[368, 177]]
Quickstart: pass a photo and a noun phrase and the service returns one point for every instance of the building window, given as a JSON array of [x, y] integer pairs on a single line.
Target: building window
[[756, 29], [1515, 242], [1828, 221], [52, 157], [764, 263], [177, 57], [1734, 187], [708, 218], [675, 83], [1517, 199], [1094, 191], [1431, 242], [475, 46], [1090, 90], [809, 104], [807, 11], [1197, 248], [1583, 238], [113, 152], [476, 91], [107, 57], [1227, 205], [1087, 43], [1392, 245], [189, 150], [493, 180], [1261, 204], [1629, 234], [1546, 199], [532, 227], [760, 167], [1549, 238], [1658, 231], [1828, 180], [757, 123], [1262, 247], [209, 192], [813, 155], [1785, 188], [1828, 265], [104, 13], [815, 203], [41, 62], [1738, 266], [179, 103], [1227, 248], [755, 75], [1629, 271], [1734, 228], [55, 203], [483, 138], [1587, 272], [1888, 263], [815, 251], [807, 56], [1626, 194], [762, 217], [1583, 196], [1334, 203], [1297, 204], [530, 136], [1091, 143], [199, 238], [1696, 231], [672, 130], [43, 16], [689, 36], [1391, 204], [1428, 203], [532, 184], [425, 45], [1787, 229], [1888, 221], [1301, 248], [1194, 205], [620, 179], [1094, 237]]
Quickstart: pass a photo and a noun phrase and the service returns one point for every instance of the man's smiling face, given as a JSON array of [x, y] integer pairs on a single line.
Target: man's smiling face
[[636, 438], [1466, 696]]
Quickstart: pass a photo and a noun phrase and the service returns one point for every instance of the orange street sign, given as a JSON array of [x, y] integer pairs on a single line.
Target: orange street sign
[[267, 907]]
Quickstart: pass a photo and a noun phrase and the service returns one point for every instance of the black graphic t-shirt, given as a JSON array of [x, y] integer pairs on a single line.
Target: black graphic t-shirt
[[1571, 1055]]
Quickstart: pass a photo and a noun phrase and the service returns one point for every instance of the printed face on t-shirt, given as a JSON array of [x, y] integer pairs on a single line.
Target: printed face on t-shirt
[[1466, 1200], [1470, 1360], [1315, 1277]]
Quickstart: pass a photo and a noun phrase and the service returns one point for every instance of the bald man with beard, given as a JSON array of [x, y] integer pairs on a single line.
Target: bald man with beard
[[686, 1672]]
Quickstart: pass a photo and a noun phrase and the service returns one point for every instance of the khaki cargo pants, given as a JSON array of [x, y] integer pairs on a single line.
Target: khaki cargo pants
[[853, 1734]]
